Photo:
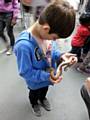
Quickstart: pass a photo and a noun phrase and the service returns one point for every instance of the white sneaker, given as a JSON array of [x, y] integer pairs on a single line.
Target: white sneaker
[[9, 52], [3, 51]]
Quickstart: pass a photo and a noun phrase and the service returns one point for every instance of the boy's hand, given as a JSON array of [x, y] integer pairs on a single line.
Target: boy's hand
[[69, 57], [56, 81]]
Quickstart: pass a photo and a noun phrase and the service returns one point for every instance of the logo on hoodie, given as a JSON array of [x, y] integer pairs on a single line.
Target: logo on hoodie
[[38, 54]]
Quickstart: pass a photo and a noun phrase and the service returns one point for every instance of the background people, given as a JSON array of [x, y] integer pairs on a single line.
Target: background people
[[8, 17], [82, 35]]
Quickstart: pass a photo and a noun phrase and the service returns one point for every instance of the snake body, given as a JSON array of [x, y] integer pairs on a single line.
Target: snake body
[[64, 64], [58, 71]]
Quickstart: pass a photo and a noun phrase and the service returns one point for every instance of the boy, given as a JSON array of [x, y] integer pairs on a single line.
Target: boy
[[8, 15], [85, 93], [33, 52]]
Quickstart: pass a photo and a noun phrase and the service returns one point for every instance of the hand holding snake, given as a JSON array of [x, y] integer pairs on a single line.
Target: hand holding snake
[[67, 61]]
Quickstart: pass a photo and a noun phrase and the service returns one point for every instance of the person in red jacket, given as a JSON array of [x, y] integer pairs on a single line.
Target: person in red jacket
[[79, 40]]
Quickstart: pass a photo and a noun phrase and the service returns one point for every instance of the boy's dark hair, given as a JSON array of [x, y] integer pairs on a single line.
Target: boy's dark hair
[[60, 16], [85, 18]]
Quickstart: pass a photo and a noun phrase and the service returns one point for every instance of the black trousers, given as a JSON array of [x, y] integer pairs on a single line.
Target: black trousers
[[76, 50], [86, 98], [86, 46], [35, 95], [5, 21]]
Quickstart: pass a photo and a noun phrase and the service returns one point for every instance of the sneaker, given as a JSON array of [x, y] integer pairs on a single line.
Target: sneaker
[[36, 110], [3, 51], [9, 52], [46, 105], [83, 70]]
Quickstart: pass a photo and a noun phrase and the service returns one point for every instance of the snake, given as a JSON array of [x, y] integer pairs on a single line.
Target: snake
[[64, 64]]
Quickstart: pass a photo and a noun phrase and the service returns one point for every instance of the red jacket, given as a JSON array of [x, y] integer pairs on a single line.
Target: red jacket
[[79, 38]]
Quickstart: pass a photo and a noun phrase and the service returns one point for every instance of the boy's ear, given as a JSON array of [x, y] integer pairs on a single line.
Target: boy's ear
[[46, 27]]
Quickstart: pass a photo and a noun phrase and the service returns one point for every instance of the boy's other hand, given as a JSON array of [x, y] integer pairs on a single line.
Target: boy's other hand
[[56, 81]]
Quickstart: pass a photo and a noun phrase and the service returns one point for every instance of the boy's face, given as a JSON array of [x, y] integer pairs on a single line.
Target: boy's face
[[44, 33]]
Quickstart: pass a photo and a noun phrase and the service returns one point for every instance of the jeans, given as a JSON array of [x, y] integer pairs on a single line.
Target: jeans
[[5, 21]]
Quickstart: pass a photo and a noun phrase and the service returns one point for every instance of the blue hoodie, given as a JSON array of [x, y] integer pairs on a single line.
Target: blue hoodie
[[32, 65]]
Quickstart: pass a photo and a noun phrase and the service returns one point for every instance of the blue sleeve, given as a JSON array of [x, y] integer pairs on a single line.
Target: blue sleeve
[[25, 67]]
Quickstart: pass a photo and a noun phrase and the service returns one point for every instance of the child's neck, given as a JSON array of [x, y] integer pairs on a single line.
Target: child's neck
[[34, 30]]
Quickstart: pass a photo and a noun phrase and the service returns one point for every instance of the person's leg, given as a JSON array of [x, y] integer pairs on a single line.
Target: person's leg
[[84, 66], [80, 6], [81, 2], [2, 27], [77, 51], [86, 98], [42, 93], [10, 29], [33, 98], [86, 46], [42, 98]]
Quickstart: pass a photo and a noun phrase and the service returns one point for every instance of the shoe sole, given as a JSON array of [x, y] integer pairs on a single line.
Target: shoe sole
[[8, 54]]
